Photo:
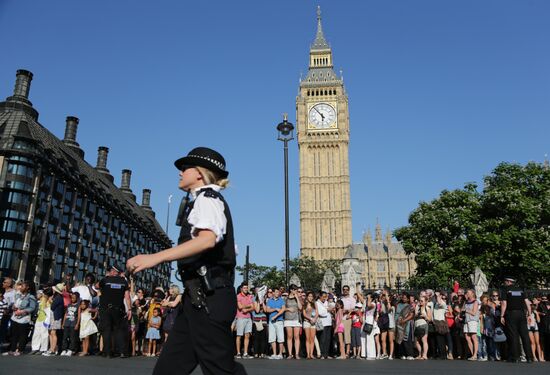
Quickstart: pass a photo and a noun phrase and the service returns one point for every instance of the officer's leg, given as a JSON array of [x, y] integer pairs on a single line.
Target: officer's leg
[[212, 334], [106, 329], [119, 326], [512, 336], [178, 352]]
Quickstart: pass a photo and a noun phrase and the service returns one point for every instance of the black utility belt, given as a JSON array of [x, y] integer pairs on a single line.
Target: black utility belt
[[110, 306], [215, 283]]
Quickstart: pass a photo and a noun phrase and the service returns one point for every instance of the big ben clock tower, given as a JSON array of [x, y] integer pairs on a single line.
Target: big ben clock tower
[[323, 139]]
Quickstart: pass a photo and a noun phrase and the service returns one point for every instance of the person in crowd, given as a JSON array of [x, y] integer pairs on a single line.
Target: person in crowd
[[58, 311], [275, 308], [544, 326], [134, 325], [356, 317], [171, 305], [349, 304], [514, 312], [310, 317], [533, 323], [339, 328], [259, 325], [4, 310], [153, 332], [423, 314], [384, 324], [471, 323], [404, 313], [24, 307], [293, 307], [440, 325], [487, 330], [40, 337], [8, 284], [450, 318], [390, 308], [245, 306], [142, 309], [85, 327], [325, 317], [459, 340], [69, 344], [113, 315]]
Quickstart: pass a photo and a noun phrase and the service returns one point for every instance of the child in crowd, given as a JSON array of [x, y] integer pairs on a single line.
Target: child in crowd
[[86, 326], [356, 317], [339, 328], [70, 333], [487, 330], [153, 333]]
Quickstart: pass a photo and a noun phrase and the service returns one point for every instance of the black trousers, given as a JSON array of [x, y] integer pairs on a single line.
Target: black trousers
[[19, 335], [441, 341], [260, 340], [70, 339], [113, 321], [198, 338], [516, 328], [324, 338]]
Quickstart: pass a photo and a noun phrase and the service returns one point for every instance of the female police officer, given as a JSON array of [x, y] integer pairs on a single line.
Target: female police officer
[[206, 261]]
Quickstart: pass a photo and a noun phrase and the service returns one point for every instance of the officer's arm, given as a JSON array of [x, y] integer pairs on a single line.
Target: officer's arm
[[205, 240]]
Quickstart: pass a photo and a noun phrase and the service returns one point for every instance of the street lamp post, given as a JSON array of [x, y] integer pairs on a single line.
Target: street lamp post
[[285, 130]]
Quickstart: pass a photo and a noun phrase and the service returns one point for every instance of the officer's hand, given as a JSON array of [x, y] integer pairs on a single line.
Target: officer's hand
[[141, 262], [502, 321], [129, 314]]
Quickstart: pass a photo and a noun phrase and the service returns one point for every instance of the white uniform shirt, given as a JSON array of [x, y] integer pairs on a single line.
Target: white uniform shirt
[[322, 310], [208, 213]]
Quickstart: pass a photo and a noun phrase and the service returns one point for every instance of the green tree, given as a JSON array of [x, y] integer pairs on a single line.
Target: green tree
[[309, 271], [263, 275], [504, 230]]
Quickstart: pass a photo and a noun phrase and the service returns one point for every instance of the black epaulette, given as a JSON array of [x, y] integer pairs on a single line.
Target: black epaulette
[[210, 193]]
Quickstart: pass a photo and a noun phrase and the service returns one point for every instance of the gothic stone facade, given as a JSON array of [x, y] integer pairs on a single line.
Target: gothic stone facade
[[377, 264]]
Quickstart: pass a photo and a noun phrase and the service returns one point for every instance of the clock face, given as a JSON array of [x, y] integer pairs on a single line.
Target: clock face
[[322, 116]]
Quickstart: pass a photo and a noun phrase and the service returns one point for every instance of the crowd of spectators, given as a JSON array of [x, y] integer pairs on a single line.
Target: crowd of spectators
[[64, 319], [276, 323]]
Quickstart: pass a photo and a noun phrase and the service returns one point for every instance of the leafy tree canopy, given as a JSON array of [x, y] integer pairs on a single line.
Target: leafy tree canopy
[[505, 230], [309, 271]]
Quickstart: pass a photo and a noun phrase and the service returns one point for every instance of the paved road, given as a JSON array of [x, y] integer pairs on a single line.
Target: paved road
[[31, 365]]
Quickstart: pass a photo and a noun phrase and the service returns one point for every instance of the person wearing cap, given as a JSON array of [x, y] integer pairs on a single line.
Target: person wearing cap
[[206, 262], [113, 315], [58, 311], [515, 308]]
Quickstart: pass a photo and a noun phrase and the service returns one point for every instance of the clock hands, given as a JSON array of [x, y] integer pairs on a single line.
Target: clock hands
[[322, 116]]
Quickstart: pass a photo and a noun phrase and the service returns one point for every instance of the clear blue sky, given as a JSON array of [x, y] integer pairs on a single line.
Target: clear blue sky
[[440, 92]]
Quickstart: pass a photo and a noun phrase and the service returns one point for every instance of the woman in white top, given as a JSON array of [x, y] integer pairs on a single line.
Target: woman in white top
[[310, 316], [422, 317]]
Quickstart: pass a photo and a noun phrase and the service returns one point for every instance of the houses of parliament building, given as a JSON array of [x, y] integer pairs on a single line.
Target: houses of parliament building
[[323, 132]]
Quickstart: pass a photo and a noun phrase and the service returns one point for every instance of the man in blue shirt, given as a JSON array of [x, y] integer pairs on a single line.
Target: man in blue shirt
[[275, 307]]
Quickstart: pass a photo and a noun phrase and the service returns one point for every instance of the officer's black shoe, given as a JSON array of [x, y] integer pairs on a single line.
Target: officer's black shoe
[[114, 355], [529, 360], [123, 356], [512, 360]]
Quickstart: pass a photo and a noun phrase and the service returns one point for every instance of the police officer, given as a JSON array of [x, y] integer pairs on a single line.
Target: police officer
[[206, 260], [113, 314], [515, 310]]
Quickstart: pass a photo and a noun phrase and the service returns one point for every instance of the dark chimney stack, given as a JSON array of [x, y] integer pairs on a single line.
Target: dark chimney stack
[[102, 153], [146, 202], [70, 131], [125, 182], [22, 84], [101, 165]]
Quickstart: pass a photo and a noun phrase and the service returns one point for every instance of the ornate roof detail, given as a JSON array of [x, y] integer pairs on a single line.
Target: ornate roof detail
[[320, 42]]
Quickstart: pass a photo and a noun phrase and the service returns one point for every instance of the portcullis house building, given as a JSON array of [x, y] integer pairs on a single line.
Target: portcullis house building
[[58, 214]]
